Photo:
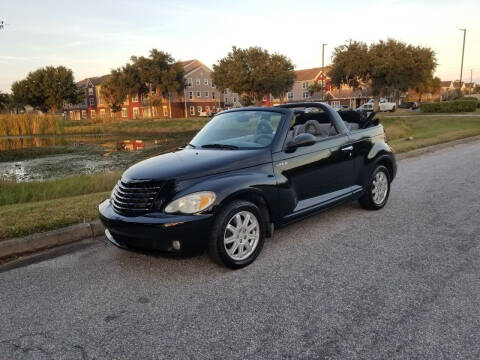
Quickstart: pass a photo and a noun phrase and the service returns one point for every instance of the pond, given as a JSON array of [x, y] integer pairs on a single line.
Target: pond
[[47, 157]]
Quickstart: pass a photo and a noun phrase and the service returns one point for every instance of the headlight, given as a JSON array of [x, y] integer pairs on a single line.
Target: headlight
[[192, 203]]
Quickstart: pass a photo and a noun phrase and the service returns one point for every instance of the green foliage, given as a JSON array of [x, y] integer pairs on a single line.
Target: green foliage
[[387, 66], [47, 89], [159, 72], [315, 87], [4, 101], [449, 106], [14, 193], [30, 124], [254, 72], [114, 90]]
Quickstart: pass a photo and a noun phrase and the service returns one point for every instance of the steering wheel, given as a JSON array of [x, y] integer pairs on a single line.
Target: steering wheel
[[264, 139]]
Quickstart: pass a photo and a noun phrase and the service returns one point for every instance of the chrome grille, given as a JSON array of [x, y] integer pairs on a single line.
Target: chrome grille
[[135, 198]]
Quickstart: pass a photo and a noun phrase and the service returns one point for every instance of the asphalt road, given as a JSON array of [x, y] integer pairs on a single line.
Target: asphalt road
[[401, 283]]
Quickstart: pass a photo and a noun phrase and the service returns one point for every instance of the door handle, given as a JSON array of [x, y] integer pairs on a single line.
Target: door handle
[[348, 148]]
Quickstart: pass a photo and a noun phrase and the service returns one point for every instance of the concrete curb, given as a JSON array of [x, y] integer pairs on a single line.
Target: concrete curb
[[49, 239], [78, 232], [432, 148]]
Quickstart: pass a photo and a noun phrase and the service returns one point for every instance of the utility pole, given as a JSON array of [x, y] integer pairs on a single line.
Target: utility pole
[[471, 81], [463, 52], [323, 71]]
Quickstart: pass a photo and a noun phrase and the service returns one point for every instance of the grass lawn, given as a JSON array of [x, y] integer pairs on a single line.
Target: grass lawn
[[28, 218], [26, 208], [427, 130]]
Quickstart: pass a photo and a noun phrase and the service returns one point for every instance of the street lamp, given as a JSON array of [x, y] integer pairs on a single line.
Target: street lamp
[[323, 71], [463, 52]]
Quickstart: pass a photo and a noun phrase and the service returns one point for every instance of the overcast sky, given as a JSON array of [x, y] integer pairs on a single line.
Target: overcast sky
[[92, 37]]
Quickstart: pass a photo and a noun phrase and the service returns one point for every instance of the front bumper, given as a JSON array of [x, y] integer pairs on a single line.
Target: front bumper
[[155, 231]]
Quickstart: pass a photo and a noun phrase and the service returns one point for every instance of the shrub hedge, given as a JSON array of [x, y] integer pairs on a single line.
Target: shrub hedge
[[449, 106]]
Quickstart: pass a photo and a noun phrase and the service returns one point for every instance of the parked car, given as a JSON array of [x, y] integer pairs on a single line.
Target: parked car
[[383, 104], [341, 107], [247, 172], [406, 105]]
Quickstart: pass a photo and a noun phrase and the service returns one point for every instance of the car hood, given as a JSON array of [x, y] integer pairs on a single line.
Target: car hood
[[193, 163]]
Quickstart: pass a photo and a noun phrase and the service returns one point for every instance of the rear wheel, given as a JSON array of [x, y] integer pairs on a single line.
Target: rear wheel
[[238, 234], [377, 189]]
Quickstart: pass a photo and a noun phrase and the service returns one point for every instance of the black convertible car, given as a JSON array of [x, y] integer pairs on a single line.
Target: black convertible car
[[248, 171]]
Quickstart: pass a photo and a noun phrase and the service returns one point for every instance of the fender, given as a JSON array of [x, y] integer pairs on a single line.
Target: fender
[[379, 147], [259, 180]]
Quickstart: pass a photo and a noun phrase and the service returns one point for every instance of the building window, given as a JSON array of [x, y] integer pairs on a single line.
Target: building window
[[90, 91], [205, 81], [190, 95], [290, 95], [199, 109], [225, 91], [211, 82], [136, 112], [102, 112], [305, 94], [189, 82], [335, 103], [93, 114], [135, 98], [264, 98], [199, 94], [165, 111], [305, 85], [124, 112], [192, 110], [206, 94], [197, 81], [234, 100], [213, 94], [84, 114], [226, 99], [91, 101]]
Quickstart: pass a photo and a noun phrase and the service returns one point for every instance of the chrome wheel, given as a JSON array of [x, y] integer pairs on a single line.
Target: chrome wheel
[[379, 188], [241, 235]]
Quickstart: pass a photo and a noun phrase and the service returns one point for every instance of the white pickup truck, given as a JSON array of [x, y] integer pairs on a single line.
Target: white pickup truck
[[384, 105]]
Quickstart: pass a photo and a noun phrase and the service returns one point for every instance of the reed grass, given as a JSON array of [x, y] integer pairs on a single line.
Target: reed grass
[[30, 124]]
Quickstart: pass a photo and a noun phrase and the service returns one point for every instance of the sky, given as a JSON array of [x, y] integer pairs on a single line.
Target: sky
[[92, 37]]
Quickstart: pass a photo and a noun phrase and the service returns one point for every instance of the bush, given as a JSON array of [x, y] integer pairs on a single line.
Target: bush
[[449, 106]]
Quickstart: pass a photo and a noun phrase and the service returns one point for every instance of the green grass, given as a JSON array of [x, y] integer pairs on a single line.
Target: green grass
[[141, 127], [427, 130], [25, 192], [28, 218]]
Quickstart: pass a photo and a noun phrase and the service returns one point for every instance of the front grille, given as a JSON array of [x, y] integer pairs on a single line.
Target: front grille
[[135, 198]]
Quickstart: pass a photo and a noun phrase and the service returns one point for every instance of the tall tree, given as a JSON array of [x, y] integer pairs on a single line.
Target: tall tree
[[4, 102], [387, 66], [47, 88], [114, 90], [159, 72], [254, 73]]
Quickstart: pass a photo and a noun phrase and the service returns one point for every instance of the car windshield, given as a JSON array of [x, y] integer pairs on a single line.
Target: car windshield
[[246, 129]]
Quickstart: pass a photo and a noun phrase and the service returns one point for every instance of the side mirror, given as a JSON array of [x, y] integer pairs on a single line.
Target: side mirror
[[305, 139]]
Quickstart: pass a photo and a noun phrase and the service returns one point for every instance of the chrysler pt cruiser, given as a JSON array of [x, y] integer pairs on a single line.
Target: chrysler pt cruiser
[[245, 173]]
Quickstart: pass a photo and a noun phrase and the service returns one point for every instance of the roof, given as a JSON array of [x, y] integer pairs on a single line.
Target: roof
[[446, 83], [310, 74], [191, 65], [94, 80]]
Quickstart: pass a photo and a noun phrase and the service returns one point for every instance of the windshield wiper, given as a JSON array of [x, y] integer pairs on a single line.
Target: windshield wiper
[[220, 146], [191, 145]]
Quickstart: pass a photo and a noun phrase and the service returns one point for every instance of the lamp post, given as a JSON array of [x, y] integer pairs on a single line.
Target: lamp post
[[323, 71], [463, 52]]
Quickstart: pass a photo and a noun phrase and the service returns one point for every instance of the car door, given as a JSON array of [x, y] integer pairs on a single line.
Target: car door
[[315, 175]]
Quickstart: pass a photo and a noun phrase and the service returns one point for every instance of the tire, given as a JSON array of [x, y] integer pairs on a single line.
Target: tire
[[231, 248], [369, 200]]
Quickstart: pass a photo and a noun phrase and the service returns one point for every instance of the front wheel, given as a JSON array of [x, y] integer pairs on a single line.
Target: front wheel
[[377, 189], [237, 235]]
